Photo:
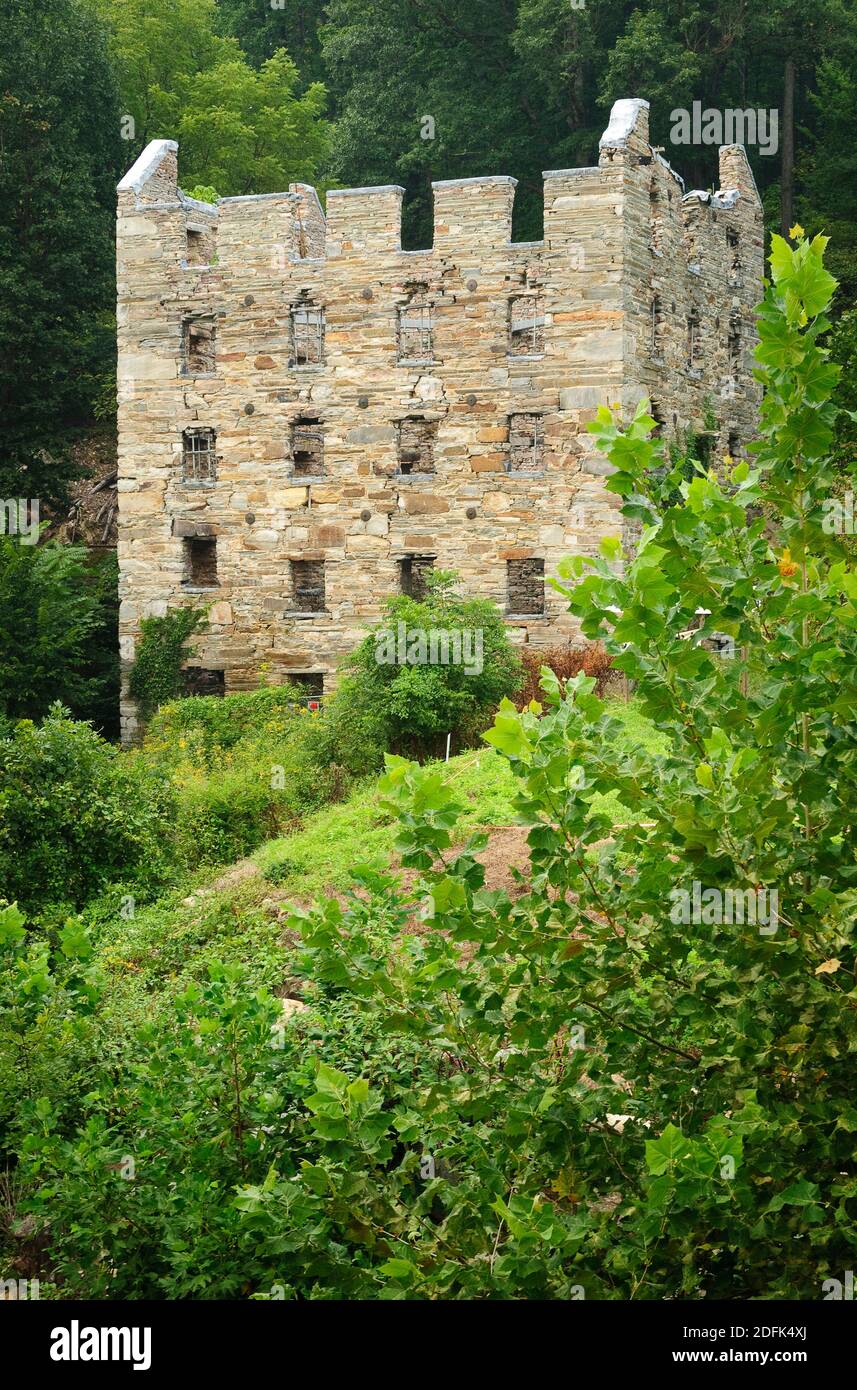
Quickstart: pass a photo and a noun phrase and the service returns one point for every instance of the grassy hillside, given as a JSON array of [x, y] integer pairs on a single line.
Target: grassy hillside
[[235, 914]]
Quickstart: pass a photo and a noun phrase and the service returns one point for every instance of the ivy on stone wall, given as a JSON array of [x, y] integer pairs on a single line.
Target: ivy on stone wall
[[157, 672]]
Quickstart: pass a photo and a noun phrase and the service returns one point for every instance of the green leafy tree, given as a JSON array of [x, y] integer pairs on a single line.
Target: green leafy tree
[[240, 129], [829, 166], [655, 1098], [153, 42], [432, 667], [59, 160], [291, 24], [391, 65], [843, 346], [246, 131], [57, 631]]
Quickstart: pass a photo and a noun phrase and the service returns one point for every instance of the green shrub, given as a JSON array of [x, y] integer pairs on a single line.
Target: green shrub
[[346, 735], [432, 667], [223, 815], [210, 723], [75, 814], [49, 1033], [248, 766]]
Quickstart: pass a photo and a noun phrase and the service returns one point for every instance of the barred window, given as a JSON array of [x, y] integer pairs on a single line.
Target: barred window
[[526, 326], [414, 339], [526, 444], [307, 333], [199, 460]]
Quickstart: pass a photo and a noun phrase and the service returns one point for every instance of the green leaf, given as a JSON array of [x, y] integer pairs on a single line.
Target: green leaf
[[12, 931], [663, 1153], [358, 1092], [331, 1082], [802, 1193], [398, 1268]]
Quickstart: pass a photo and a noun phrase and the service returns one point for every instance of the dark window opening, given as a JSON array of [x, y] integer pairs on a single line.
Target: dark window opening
[[417, 230], [199, 460], [199, 346], [308, 589], [656, 321], [415, 328], [412, 574], [308, 447], [526, 444], [693, 343], [526, 326], [312, 683], [307, 333], [734, 342], [657, 416], [525, 586], [416, 445], [200, 554], [734, 445], [656, 219], [199, 681], [528, 215]]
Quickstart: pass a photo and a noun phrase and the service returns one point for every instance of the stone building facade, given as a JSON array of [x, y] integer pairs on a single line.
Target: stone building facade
[[309, 416]]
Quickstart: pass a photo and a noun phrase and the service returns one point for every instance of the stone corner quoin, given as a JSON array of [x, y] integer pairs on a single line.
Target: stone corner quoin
[[309, 415]]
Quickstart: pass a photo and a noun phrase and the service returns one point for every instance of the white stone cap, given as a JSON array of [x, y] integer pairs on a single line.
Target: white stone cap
[[624, 116], [146, 165], [725, 198], [463, 183], [358, 192], [194, 205], [255, 198], [569, 173]]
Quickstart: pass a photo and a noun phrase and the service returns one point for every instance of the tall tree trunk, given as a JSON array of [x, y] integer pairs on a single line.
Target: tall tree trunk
[[787, 187]]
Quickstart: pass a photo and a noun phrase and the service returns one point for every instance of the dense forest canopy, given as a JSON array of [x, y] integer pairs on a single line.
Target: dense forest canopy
[[355, 92]]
